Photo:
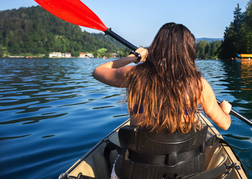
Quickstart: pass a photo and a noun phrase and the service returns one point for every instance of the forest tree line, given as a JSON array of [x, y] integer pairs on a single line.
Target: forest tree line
[[238, 36], [207, 50], [35, 31]]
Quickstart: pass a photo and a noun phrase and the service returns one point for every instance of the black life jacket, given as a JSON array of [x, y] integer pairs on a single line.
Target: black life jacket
[[151, 155]]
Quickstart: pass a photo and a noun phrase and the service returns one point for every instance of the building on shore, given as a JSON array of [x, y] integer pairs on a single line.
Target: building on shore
[[67, 55], [60, 55], [88, 55], [55, 55], [114, 55]]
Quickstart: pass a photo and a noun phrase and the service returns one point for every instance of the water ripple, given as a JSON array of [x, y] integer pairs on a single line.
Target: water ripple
[[52, 111]]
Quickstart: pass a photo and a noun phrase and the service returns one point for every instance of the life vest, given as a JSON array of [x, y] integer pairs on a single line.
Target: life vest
[[151, 155]]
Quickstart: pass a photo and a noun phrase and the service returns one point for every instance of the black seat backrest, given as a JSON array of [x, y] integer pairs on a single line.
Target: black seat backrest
[[141, 140]]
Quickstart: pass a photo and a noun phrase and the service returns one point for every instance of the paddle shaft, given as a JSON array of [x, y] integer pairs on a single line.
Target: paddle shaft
[[236, 114], [120, 39]]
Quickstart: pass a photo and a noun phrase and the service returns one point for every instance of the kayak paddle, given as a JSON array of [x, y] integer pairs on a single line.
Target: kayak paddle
[[75, 12], [241, 117]]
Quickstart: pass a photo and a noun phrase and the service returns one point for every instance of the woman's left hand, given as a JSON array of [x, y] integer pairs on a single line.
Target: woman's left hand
[[143, 52]]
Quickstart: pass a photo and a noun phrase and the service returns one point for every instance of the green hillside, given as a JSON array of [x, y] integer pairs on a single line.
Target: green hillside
[[33, 30]]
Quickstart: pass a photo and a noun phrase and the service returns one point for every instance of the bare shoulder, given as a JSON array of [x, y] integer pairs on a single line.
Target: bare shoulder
[[204, 82], [206, 86], [208, 96]]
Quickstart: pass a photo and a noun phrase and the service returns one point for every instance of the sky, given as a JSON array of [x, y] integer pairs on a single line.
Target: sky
[[139, 20]]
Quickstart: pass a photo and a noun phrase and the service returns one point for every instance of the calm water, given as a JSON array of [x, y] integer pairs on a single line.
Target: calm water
[[52, 111]]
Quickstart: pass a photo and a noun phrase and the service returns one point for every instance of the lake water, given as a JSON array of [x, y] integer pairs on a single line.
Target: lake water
[[52, 111]]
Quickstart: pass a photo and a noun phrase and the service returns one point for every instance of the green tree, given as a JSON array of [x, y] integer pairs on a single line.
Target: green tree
[[237, 18], [95, 54], [230, 45], [213, 50], [102, 52], [245, 40], [1, 50], [238, 36], [228, 49], [207, 50], [200, 49]]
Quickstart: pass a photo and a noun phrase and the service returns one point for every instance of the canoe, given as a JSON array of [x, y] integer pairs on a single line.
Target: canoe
[[93, 164]]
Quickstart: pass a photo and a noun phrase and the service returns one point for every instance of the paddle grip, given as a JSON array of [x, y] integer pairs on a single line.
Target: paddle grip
[[120, 39], [238, 115]]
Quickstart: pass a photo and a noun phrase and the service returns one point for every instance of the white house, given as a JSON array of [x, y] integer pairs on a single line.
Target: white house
[[60, 55], [67, 55], [90, 55], [83, 55], [55, 55]]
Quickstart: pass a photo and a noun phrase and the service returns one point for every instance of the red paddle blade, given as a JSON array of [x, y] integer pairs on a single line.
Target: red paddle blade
[[73, 11]]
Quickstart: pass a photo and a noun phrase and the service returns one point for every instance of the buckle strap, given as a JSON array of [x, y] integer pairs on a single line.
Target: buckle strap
[[212, 173], [109, 147], [175, 177]]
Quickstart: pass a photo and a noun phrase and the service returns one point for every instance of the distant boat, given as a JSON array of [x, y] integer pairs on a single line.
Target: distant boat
[[244, 57]]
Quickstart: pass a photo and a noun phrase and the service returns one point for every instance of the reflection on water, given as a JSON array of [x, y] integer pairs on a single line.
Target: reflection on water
[[239, 77], [52, 111], [230, 81]]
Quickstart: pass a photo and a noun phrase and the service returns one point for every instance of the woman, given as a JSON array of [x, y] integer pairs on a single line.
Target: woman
[[166, 89]]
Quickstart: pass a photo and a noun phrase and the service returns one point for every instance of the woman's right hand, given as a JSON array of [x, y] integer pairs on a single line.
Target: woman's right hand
[[225, 106]]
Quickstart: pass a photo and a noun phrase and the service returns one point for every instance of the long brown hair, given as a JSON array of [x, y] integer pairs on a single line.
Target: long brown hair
[[164, 91]]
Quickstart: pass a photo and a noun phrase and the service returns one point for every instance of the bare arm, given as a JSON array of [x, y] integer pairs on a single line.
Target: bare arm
[[112, 73], [218, 114]]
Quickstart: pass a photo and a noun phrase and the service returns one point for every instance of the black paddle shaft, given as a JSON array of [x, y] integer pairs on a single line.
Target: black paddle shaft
[[236, 114], [120, 39]]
